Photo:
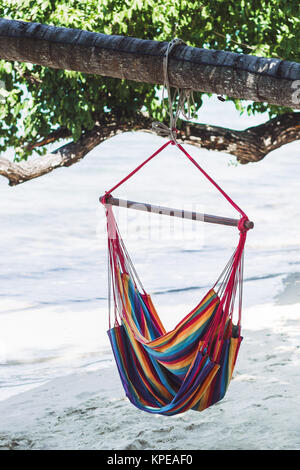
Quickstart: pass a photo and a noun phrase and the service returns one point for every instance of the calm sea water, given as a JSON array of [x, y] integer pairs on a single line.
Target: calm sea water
[[53, 278]]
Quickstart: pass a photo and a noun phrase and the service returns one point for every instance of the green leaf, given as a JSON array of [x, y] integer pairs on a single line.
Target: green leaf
[[36, 100]]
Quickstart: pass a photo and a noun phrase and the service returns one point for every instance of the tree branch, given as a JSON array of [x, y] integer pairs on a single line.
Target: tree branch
[[249, 145], [227, 73], [68, 154], [61, 133]]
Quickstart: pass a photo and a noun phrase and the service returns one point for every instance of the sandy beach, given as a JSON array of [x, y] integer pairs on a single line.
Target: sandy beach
[[89, 410], [149, 231], [59, 384]]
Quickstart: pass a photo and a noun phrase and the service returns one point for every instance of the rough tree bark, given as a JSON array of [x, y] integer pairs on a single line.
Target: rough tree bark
[[67, 155], [249, 145], [235, 75]]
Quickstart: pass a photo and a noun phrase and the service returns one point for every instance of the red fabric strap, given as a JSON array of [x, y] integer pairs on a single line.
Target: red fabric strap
[[107, 193], [241, 225], [212, 181], [233, 274]]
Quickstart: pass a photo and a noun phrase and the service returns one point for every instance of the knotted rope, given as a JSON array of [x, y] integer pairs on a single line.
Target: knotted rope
[[183, 96]]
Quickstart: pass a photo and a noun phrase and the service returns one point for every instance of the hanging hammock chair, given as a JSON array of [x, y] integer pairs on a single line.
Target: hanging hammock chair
[[191, 366]]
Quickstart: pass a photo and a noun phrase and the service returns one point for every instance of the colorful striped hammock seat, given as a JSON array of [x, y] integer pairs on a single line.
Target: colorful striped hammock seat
[[191, 366]]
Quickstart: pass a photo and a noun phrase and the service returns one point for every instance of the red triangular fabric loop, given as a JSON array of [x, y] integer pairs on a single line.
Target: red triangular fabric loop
[[190, 366], [244, 217]]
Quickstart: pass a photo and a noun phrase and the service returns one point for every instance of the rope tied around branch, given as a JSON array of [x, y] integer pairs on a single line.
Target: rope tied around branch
[[183, 96]]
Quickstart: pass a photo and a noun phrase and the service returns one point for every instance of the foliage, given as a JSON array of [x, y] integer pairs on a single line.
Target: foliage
[[39, 100]]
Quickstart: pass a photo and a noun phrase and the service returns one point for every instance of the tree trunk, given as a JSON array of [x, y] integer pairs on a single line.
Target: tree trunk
[[236, 75]]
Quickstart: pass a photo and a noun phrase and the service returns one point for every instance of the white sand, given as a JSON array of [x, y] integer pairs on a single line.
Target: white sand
[[88, 410], [53, 265]]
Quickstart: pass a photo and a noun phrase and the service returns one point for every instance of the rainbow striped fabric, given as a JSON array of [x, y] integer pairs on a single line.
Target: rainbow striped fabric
[[169, 373], [191, 366]]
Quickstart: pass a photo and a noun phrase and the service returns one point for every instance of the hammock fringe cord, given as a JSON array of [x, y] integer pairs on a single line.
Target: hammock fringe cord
[[191, 366]]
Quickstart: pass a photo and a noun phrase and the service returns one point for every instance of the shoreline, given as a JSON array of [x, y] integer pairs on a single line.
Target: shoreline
[[89, 410]]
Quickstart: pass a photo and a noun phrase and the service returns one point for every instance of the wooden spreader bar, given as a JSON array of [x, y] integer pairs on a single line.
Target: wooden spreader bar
[[182, 214]]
